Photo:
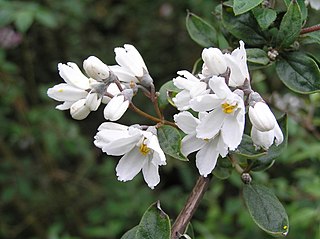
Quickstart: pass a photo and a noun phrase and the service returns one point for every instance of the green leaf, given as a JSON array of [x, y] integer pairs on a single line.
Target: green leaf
[[223, 169], [155, 223], [299, 72], [166, 93], [303, 8], [247, 149], [264, 16], [46, 18], [23, 20], [266, 210], [130, 234], [201, 31], [257, 56], [290, 25], [274, 151], [244, 27], [242, 6], [170, 141], [310, 38]]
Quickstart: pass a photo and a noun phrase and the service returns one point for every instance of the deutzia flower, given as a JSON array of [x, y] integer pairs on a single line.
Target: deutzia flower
[[140, 149], [216, 63], [77, 88], [191, 87], [209, 149], [265, 139], [226, 116], [96, 69], [261, 117]]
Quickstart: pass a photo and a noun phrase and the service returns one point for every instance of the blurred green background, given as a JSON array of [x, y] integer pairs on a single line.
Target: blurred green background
[[55, 184]]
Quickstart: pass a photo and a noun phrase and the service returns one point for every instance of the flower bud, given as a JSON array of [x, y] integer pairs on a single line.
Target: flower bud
[[93, 101], [116, 108], [214, 61], [261, 117], [96, 69], [79, 110], [262, 139]]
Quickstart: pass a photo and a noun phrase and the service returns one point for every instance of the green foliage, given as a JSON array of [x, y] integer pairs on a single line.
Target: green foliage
[[166, 93], [266, 210], [243, 6]]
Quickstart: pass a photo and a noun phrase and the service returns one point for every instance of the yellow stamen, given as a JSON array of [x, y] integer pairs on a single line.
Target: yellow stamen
[[144, 149], [228, 109], [60, 90], [285, 227]]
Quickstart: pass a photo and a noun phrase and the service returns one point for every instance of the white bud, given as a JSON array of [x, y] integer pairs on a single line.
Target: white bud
[[261, 117], [116, 107], [96, 69], [262, 139], [79, 110], [214, 61], [93, 101]]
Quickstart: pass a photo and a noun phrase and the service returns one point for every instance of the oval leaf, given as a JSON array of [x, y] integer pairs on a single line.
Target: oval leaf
[[290, 26], [166, 93], [130, 234], [264, 16], [155, 223], [170, 142], [247, 149], [200, 31], [257, 56], [299, 72], [266, 210], [242, 6], [244, 27]]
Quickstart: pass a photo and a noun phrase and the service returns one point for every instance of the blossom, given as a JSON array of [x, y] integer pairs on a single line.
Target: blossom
[[226, 113], [116, 107], [96, 69], [140, 149], [191, 87], [208, 149], [265, 139], [216, 63], [261, 117]]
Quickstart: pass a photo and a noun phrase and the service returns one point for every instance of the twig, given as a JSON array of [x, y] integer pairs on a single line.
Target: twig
[[310, 29], [190, 207]]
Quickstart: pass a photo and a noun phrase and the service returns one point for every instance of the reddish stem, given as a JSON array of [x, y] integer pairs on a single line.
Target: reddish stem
[[310, 29]]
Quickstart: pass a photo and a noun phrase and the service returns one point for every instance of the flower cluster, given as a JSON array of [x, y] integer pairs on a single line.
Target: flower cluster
[[217, 97], [212, 107]]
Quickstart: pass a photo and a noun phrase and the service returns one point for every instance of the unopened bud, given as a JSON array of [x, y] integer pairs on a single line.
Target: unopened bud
[[214, 61], [96, 69], [261, 117], [79, 110]]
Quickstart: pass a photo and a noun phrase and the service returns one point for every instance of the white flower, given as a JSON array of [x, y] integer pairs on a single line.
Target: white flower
[[96, 69], [79, 110], [265, 139], [237, 62], [116, 107], [130, 59], [209, 149], [226, 116], [315, 4], [214, 62], [191, 87], [140, 149], [261, 117]]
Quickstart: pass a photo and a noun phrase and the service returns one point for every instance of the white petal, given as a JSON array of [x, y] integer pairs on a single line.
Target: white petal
[[190, 144], [158, 155], [211, 124], [231, 132], [261, 117], [121, 146], [182, 99], [262, 139], [219, 87], [206, 158], [116, 108], [205, 102], [95, 68], [186, 122], [65, 106], [93, 101], [214, 61], [65, 92], [73, 76], [278, 134], [123, 74], [151, 174], [79, 110], [130, 165]]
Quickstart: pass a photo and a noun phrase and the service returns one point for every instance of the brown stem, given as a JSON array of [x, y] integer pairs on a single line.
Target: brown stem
[[190, 207], [310, 29], [150, 117]]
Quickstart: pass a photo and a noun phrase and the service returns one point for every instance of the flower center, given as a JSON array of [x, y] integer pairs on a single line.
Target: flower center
[[228, 108], [144, 149]]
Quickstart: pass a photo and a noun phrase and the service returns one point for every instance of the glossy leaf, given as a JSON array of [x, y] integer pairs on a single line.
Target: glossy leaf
[[299, 72], [303, 8], [201, 31], [155, 223], [264, 16], [242, 6], [244, 27], [223, 169], [170, 142], [166, 93], [130, 234], [310, 38], [257, 56], [290, 26], [266, 210]]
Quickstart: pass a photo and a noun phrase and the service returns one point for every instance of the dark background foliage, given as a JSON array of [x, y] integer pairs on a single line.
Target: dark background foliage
[[56, 184]]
